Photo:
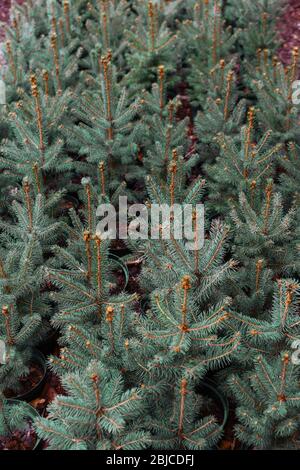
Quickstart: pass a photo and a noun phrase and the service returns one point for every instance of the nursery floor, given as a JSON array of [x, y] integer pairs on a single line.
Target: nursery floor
[[289, 30]]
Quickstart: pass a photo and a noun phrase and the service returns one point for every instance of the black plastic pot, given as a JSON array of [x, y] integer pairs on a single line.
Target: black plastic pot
[[29, 414], [211, 389], [119, 251], [49, 342], [72, 200], [37, 358], [120, 265]]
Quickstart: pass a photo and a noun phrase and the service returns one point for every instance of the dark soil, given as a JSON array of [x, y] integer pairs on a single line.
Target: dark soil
[[27, 383], [24, 439], [118, 283], [289, 30]]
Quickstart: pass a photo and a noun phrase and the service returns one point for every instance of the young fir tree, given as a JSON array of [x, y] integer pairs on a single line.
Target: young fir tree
[[177, 342], [268, 403], [266, 232], [188, 336], [269, 331], [19, 334], [105, 22], [289, 178], [272, 83], [257, 23], [158, 383], [265, 243], [36, 145], [169, 258], [208, 42], [31, 224], [251, 286], [108, 130], [178, 426], [99, 413], [196, 304], [289, 187], [92, 318], [25, 247], [37, 39], [23, 43], [266, 332], [150, 44], [117, 337], [221, 111], [59, 42], [64, 50], [165, 133], [243, 165], [14, 416]]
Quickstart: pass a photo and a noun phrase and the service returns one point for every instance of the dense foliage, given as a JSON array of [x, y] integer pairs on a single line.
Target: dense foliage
[[166, 102]]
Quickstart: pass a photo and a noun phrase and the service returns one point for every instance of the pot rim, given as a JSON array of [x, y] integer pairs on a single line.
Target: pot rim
[[32, 413], [41, 360], [212, 386]]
